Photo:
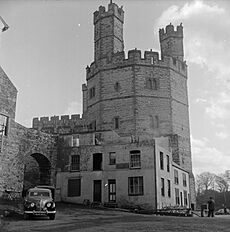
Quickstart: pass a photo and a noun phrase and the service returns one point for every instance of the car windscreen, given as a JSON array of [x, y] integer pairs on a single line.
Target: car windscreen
[[39, 194]]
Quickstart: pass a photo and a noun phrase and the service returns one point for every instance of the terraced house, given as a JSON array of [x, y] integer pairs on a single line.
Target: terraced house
[[132, 143]]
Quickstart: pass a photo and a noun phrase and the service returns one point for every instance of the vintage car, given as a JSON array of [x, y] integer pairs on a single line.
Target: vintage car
[[39, 202]]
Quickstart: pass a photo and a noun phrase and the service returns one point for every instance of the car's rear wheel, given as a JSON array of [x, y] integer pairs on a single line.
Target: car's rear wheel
[[52, 216]]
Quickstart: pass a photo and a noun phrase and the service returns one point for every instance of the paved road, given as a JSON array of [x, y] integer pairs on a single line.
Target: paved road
[[75, 218]]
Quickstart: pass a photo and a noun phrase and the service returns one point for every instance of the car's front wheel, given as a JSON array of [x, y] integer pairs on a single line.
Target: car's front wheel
[[27, 216], [52, 216]]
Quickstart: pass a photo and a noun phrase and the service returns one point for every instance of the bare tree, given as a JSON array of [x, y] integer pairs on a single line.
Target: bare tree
[[221, 183], [205, 181]]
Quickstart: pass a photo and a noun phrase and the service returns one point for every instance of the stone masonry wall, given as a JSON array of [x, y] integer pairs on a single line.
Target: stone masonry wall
[[8, 96], [20, 143]]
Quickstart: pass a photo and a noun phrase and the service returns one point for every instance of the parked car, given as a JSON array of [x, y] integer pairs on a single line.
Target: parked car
[[222, 211], [39, 202]]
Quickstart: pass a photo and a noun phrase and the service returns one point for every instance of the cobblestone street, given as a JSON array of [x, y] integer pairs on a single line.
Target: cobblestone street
[[77, 218]]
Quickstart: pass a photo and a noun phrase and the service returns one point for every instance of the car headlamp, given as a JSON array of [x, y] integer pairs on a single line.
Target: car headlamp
[[32, 204], [48, 204]]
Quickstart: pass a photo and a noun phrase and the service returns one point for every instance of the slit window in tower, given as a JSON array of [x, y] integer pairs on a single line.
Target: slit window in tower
[[3, 124], [116, 122]]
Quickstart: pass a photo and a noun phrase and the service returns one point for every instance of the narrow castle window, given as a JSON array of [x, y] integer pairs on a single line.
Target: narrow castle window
[[117, 86], [152, 83], [116, 123], [92, 92], [174, 61], [156, 122], [3, 124], [151, 60]]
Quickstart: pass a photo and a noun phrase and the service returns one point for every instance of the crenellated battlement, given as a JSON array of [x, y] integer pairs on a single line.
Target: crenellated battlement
[[170, 32], [113, 9], [135, 57], [55, 124]]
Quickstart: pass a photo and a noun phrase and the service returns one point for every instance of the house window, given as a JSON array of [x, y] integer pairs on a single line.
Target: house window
[[97, 161], [162, 187], [169, 188], [185, 198], [168, 164], [92, 92], [176, 178], [161, 160], [3, 124], [74, 187], [136, 185], [75, 163], [177, 196], [184, 179], [112, 158], [116, 122], [135, 159]]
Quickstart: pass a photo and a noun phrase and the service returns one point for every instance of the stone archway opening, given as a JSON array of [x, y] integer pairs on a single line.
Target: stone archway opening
[[37, 171]]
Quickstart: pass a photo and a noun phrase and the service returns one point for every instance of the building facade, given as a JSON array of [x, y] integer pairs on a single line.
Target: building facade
[[130, 105]]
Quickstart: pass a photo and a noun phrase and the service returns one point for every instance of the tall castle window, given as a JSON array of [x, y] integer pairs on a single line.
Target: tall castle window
[[152, 83], [117, 86], [92, 92], [3, 124], [116, 123]]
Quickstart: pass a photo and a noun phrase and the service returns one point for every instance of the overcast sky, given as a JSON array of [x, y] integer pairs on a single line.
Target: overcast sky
[[50, 43]]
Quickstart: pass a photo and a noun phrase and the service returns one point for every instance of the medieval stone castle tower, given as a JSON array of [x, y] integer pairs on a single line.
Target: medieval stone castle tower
[[141, 97], [134, 130]]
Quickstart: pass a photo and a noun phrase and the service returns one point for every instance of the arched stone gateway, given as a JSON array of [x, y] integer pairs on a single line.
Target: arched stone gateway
[[37, 171]]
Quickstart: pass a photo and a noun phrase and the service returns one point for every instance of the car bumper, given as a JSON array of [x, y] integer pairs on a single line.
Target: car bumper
[[39, 212]]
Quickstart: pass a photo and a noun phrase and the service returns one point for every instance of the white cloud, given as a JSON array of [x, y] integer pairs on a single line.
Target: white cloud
[[201, 100], [208, 158], [219, 107], [222, 135], [74, 108], [207, 35]]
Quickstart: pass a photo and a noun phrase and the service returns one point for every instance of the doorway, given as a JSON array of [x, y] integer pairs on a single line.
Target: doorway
[[97, 191], [112, 190]]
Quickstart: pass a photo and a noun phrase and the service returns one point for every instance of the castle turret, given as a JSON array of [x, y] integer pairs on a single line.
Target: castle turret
[[171, 42], [108, 31]]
